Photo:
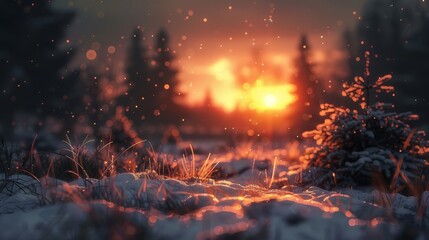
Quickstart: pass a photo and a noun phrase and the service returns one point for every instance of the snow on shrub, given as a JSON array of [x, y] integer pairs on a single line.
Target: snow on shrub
[[355, 144]]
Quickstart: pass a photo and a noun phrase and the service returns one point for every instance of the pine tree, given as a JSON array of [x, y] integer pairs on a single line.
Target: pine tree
[[308, 86], [139, 100], [31, 59], [164, 75], [354, 144], [397, 49]]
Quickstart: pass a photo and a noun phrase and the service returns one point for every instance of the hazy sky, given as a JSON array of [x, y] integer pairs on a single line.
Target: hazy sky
[[204, 32]]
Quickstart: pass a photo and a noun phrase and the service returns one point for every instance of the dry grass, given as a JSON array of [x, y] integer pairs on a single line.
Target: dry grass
[[190, 170]]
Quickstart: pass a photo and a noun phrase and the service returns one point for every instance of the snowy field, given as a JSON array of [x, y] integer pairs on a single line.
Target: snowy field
[[295, 128], [257, 196]]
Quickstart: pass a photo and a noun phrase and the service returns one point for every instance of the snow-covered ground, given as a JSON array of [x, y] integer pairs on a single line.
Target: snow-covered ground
[[248, 203]]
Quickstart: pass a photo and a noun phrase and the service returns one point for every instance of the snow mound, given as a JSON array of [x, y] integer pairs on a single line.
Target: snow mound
[[192, 209]]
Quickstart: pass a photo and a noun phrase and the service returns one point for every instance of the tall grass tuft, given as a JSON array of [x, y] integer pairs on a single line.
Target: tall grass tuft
[[188, 168]]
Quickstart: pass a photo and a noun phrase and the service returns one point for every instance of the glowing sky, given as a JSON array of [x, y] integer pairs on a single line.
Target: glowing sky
[[208, 33]]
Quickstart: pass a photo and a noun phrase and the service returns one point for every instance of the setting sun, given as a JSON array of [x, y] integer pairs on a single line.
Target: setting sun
[[270, 101], [274, 97], [256, 92]]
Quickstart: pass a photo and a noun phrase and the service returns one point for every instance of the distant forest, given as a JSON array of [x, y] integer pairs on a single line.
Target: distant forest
[[40, 93]]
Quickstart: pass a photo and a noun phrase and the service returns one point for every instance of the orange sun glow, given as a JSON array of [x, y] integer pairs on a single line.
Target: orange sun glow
[[274, 97], [266, 93], [270, 101]]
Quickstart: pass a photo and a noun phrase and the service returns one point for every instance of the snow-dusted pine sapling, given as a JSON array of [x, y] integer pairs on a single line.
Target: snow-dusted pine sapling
[[360, 90], [353, 144]]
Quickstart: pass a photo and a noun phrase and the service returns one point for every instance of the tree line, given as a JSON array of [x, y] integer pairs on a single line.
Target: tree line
[[36, 86]]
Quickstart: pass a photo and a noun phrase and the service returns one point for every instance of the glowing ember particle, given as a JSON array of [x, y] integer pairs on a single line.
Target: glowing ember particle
[[374, 222], [111, 49], [152, 219], [91, 55], [348, 214]]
